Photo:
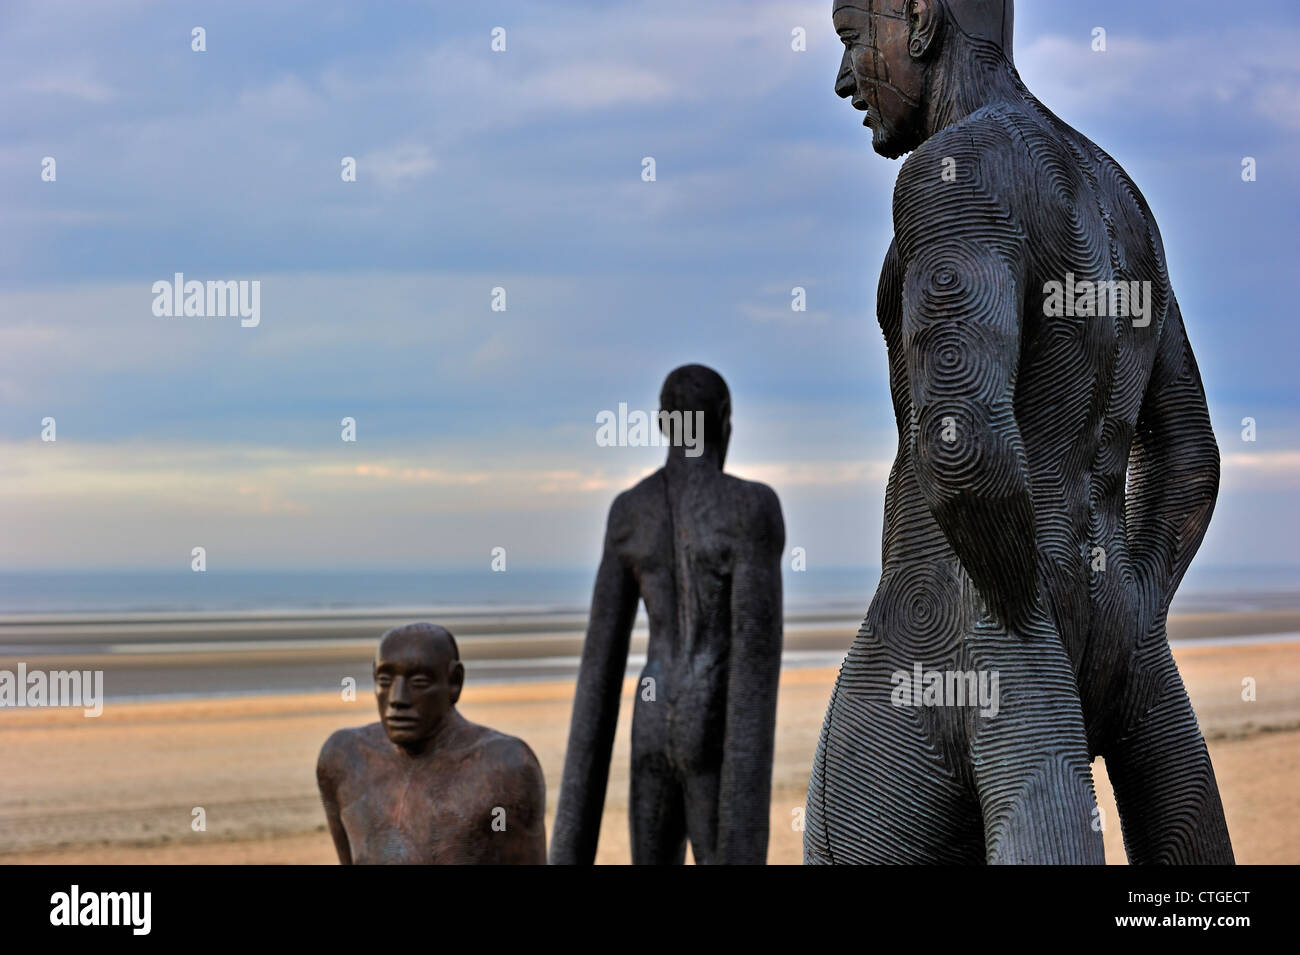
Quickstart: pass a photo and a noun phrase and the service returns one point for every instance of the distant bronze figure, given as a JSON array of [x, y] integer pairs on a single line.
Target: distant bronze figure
[[1056, 472], [703, 549], [424, 785]]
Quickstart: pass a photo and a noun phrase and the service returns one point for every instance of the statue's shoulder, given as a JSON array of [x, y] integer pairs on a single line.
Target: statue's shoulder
[[978, 174], [632, 502], [651, 484], [757, 494], [991, 133], [343, 743], [502, 752], [760, 506]]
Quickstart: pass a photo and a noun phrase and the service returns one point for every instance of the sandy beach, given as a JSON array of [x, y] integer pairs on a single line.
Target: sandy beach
[[123, 788]]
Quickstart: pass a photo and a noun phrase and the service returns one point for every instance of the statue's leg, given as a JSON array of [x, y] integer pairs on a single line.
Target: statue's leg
[[1169, 805], [1030, 758], [882, 791], [702, 814], [656, 811]]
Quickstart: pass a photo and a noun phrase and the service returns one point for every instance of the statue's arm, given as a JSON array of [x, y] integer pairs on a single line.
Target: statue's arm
[[595, 705], [1173, 466], [963, 289], [523, 795], [754, 672], [327, 768]]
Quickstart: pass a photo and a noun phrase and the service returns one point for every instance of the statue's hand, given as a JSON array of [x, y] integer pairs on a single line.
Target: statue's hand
[[1061, 596]]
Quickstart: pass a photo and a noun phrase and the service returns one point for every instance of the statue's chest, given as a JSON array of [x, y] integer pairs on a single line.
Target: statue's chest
[[420, 818]]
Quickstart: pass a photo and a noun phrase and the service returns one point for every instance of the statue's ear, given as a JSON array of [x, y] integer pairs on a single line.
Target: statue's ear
[[456, 677], [924, 26]]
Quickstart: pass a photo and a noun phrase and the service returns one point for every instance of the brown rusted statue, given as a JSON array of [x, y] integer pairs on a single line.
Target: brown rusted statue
[[424, 785]]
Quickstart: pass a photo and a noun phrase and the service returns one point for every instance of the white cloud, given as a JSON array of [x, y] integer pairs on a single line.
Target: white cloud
[[1261, 469], [1192, 74], [284, 97], [595, 85], [781, 314], [817, 474], [394, 167], [71, 81]]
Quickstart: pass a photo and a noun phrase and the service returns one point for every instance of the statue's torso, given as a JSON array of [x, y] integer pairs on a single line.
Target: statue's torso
[[431, 810], [1080, 387], [683, 552]]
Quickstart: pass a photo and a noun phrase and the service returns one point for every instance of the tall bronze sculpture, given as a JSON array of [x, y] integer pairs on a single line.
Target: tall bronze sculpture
[[425, 785], [1056, 472], [703, 550]]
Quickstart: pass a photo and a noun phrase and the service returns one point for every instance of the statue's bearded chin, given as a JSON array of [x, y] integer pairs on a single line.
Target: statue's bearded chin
[[887, 138]]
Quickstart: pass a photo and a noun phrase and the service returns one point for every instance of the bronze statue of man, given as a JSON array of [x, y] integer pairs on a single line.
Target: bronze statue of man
[[703, 550], [1056, 471], [424, 785]]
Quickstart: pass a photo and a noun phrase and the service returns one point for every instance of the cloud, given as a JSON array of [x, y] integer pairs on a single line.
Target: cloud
[[816, 474], [397, 166], [522, 170], [780, 315], [74, 82], [1261, 470], [596, 85], [285, 97], [1250, 71]]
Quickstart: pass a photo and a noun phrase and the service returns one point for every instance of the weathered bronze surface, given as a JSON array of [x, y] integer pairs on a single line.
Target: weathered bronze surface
[[425, 785], [703, 550]]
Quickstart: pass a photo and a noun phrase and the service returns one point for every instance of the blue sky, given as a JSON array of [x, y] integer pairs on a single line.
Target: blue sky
[[522, 169]]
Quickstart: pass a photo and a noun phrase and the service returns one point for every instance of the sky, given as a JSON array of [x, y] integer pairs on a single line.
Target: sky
[[522, 169]]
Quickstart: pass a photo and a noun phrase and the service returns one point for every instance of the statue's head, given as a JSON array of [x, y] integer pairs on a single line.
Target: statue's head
[[418, 679], [693, 388], [893, 46]]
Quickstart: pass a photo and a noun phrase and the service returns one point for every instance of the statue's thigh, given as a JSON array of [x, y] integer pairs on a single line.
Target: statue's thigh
[[656, 810], [883, 790], [1029, 753]]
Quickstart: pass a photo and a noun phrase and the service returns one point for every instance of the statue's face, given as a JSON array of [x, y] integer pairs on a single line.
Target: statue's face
[[878, 74], [416, 683]]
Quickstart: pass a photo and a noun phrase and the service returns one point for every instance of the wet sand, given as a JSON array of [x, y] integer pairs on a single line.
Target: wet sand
[[160, 656], [122, 788]]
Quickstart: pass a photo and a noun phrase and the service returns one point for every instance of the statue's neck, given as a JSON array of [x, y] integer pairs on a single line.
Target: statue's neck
[[707, 460], [968, 76]]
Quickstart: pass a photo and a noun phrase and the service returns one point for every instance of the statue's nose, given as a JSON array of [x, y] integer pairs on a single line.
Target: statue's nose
[[398, 695], [845, 84]]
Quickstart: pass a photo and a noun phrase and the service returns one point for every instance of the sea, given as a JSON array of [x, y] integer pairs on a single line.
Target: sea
[[846, 590]]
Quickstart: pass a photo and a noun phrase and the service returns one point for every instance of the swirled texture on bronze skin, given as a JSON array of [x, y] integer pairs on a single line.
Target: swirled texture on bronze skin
[[1056, 472]]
